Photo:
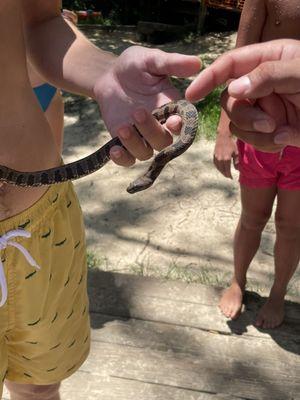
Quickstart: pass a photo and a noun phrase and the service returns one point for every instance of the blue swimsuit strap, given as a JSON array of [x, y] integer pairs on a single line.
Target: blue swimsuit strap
[[45, 94]]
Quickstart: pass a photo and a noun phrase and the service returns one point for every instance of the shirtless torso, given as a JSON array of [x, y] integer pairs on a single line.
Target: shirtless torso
[[52, 104], [27, 142], [277, 19], [282, 21]]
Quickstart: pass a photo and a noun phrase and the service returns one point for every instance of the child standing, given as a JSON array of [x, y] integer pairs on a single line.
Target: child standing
[[263, 177], [44, 318]]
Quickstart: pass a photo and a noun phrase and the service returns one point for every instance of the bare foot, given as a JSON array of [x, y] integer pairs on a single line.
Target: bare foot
[[232, 300], [271, 313]]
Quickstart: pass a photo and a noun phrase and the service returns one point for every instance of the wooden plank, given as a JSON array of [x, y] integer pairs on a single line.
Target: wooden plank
[[183, 304], [208, 345], [83, 387], [154, 356], [153, 287], [259, 363], [190, 372]]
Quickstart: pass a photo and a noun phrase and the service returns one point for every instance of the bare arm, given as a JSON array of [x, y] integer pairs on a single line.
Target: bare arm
[[250, 31], [251, 23], [46, 29], [133, 83]]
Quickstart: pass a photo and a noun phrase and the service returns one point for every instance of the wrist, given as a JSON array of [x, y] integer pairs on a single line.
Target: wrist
[[224, 133], [104, 82]]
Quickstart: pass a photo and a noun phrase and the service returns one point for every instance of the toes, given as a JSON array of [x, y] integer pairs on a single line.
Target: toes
[[264, 322], [235, 314], [231, 302], [266, 325], [231, 314], [275, 323], [226, 312], [230, 311], [259, 321], [269, 317]]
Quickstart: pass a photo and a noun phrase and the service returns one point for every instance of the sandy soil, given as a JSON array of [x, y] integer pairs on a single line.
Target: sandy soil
[[182, 227]]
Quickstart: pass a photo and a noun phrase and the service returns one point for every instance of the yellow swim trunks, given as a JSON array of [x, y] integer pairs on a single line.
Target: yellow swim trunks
[[44, 319]]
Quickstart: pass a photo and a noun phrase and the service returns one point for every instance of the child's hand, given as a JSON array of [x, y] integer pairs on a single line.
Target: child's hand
[[252, 126], [270, 78], [225, 151], [137, 83]]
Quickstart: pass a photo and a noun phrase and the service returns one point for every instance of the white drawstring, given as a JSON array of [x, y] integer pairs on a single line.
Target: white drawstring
[[5, 241]]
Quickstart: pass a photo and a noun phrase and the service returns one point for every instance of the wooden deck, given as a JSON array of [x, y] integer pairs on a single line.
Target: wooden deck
[[162, 340]]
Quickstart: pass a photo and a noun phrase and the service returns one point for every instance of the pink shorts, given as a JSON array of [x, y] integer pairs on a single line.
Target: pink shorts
[[259, 169]]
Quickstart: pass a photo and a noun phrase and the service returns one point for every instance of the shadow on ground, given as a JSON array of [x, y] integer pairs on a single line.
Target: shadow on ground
[[286, 336], [111, 300]]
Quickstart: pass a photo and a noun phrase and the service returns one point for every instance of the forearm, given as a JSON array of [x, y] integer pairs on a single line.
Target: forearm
[[65, 57], [250, 30], [223, 126]]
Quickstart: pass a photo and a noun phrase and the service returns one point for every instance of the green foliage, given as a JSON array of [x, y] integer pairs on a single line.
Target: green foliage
[[209, 114], [96, 261]]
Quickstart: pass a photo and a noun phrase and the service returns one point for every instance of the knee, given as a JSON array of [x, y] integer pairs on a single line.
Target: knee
[[287, 227], [254, 221], [33, 392]]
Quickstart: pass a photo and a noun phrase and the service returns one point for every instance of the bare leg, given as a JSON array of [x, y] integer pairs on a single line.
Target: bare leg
[[256, 210], [19, 391], [286, 255]]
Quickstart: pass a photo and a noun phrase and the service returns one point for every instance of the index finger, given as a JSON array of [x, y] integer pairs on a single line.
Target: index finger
[[234, 64]]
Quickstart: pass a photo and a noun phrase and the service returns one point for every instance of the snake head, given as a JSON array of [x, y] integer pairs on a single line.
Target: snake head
[[139, 184]]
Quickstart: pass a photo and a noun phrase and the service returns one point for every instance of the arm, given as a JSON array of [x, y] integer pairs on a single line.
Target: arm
[[269, 74], [250, 30], [252, 22], [126, 87], [63, 47]]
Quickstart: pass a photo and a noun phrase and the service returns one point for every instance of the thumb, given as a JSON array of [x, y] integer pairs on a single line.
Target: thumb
[[287, 135], [281, 77]]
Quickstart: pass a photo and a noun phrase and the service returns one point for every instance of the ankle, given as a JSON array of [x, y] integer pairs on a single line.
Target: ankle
[[278, 291], [240, 282]]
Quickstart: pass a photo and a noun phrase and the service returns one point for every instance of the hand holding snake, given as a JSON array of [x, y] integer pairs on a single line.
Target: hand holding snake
[[95, 161], [139, 77]]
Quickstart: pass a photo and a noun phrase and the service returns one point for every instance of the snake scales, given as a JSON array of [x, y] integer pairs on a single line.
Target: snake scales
[[99, 158]]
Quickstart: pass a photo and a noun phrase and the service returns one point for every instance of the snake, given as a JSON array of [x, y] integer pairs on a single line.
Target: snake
[[100, 157]]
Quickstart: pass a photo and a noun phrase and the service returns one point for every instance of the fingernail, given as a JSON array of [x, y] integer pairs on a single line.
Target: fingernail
[[262, 125], [239, 86], [139, 116], [124, 133], [116, 153], [281, 138]]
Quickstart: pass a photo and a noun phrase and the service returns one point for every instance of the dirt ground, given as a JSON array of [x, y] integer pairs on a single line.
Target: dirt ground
[[182, 228]]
